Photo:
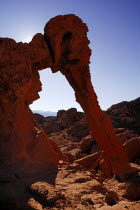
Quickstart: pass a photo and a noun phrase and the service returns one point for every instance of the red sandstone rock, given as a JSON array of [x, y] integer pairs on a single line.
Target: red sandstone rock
[[86, 143], [127, 114], [46, 191], [126, 136], [25, 149], [40, 119], [22, 139], [71, 56], [105, 167], [88, 160], [132, 148], [79, 130], [111, 198], [26, 152], [133, 189], [64, 119], [51, 125], [95, 148], [69, 117]]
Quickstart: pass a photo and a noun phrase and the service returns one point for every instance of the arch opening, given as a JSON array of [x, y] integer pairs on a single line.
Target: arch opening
[[56, 93]]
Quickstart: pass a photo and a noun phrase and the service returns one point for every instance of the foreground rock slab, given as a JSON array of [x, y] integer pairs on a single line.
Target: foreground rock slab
[[79, 189]]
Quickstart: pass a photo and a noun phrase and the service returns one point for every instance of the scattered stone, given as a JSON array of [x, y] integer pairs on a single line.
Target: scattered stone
[[88, 160], [111, 198], [46, 191], [86, 143], [132, 148], [133, 189]]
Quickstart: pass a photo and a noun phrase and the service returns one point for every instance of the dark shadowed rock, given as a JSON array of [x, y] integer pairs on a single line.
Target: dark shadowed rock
[[79, 129], [126, 114], [111, 198], [132, 148], [86, 144], [29, 157], [133, 189]]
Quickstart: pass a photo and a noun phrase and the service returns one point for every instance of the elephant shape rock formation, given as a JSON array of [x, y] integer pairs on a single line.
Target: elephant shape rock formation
[[63, 47]]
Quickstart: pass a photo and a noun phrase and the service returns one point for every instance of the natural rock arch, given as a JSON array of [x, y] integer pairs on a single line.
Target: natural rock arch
[[64, 47]]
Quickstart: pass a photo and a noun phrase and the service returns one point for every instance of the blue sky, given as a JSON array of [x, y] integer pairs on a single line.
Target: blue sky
[[114, 32]]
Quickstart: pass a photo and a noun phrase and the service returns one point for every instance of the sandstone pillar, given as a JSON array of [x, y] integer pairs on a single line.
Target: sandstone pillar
[[67, 38]]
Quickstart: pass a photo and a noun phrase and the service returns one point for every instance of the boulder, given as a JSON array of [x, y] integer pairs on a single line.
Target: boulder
[[132, 148], [86, 144], [79, 129], [132, 191], [126, 136], [111, 198], [89, 160]]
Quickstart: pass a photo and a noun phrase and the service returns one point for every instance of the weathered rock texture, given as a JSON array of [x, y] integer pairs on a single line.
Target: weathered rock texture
[[26, 153], [22, 139], [67, 36], [64, 47], [76, 188], [126, 115], [75, 141]]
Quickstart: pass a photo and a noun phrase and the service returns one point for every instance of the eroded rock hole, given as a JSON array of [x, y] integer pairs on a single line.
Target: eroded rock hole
[[65, 47]]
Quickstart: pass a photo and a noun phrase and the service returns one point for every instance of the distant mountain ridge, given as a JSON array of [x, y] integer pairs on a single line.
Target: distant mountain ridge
[[45, 113]]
